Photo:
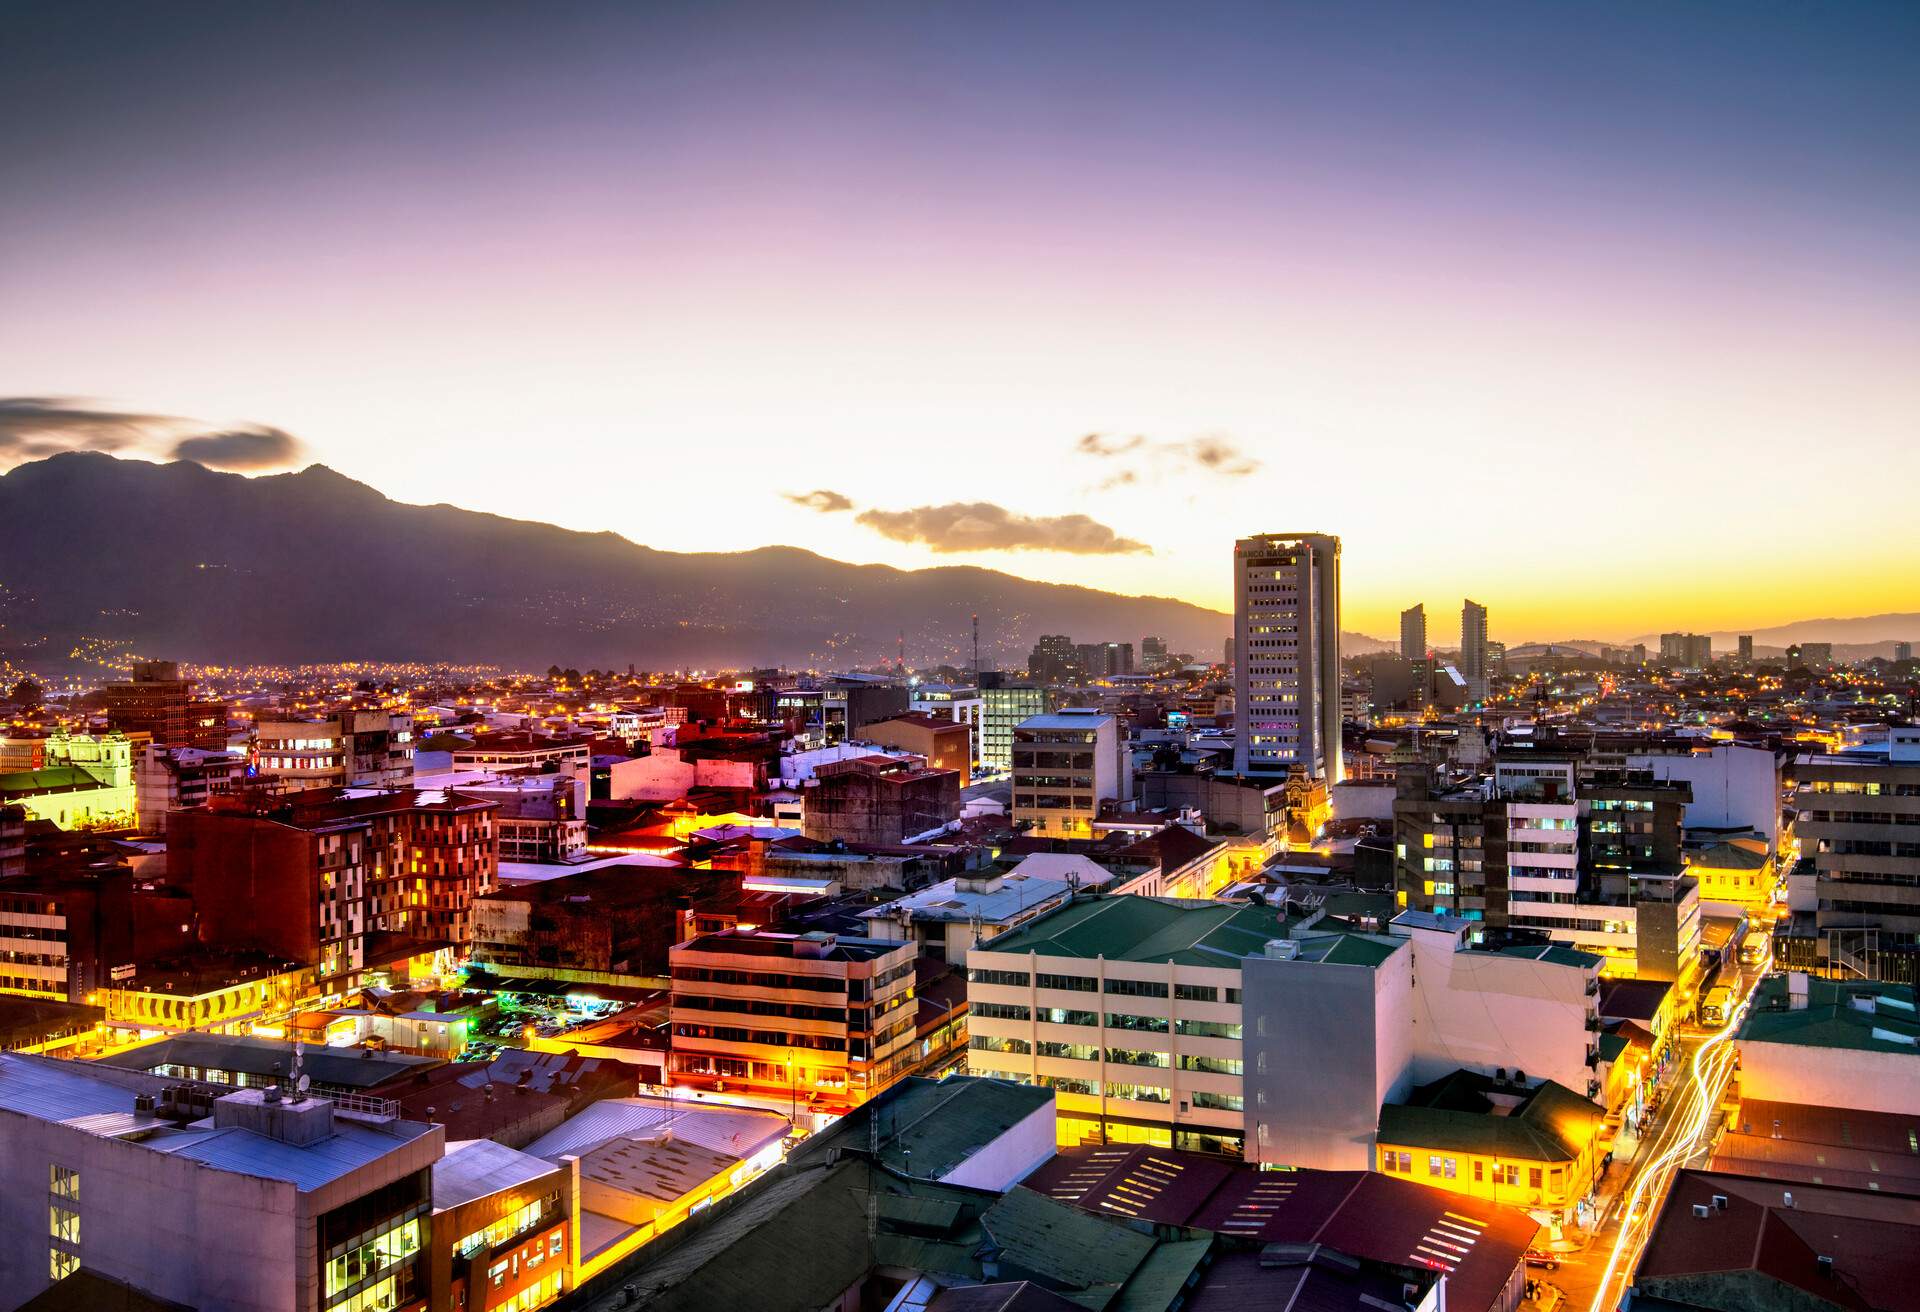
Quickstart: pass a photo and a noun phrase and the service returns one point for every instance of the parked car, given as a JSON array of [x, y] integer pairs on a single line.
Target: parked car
[[1541, 1259]]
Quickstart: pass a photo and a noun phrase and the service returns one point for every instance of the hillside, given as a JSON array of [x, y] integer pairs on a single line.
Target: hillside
[[178, 561]]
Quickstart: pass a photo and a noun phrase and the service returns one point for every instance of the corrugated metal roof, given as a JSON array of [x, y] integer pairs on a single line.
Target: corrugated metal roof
[[740, 1131]]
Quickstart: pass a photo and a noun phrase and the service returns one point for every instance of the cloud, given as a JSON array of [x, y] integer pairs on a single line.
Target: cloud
[[240, 449], [34, 427], [821, 499], [1143, 458], [983, 526]]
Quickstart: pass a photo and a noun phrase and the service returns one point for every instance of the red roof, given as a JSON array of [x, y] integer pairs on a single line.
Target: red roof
[[1477, 1245]]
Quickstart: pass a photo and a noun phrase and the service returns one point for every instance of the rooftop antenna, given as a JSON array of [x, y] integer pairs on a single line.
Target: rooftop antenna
[[976, 651]]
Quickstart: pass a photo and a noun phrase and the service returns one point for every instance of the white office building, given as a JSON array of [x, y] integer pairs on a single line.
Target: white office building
[[1286, 632]]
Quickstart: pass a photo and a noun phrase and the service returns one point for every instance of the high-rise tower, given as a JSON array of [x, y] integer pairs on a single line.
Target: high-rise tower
[[1286, 676], [1413, 633], [1473, 649]]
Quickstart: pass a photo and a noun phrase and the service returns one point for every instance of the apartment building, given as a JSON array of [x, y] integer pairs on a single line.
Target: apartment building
[[1064, 766], [961, 705], [944, 744], [824, 1020], [1590, 858], [1286, 633], [352, 749], [1855, 898], [345, 881]]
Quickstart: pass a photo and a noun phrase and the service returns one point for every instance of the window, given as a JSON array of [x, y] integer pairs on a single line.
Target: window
[[1014, 978], [64, 1182], [61, 1265], [1479, 1172], [1211, 1065], [1400, 1163], [63, 1223], [1533, 1177], [1233, 996], [1072, 983], [993, 1043], [1062, 1016], [1000, 1011], [1206, 1029], [1137, 988], [1117, 1020], [1069, 1051], [1196, 992]]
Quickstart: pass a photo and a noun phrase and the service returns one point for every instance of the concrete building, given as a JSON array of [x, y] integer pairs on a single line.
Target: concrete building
[[1064, 766], [541, 817], [959, 704], [879, 800], [1475, 666], [1746, 648], [1902, 651], [611, 920], [1830, 1043], [825, 1020], [177, 778], [240, 1203], [943, 743], [1733, 787], [945, 920], [524, 751], [1286, 629], [353, 749], [1857, 908], [1413, 633]]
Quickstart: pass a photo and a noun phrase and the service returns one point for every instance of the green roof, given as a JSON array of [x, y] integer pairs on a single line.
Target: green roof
[[1157, 1284], [1083, 1257], [53, 779], [1132, 928], [1553, 1124], [1612, 1045], [1727, 856], [928, 1126], [1857, 1014], [1556, 953]]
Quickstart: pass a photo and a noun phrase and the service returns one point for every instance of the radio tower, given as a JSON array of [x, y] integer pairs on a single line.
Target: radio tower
[[901, 663], [976, 651]]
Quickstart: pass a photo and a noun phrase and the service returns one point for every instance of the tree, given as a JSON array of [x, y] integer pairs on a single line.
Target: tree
[[27, 693]]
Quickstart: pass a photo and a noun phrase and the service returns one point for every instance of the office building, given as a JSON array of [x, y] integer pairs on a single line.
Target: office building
[[1413, 633], [1054, 659], [253, 1199], [1286, 628], [353, 749], [1064, 766], [1902, 651], [1005, 703], [1153, 652], [1474, 667], [824, 1020], [159, 703], [1746, 649], [1686, 651], [1816, 655], [1182, 1024], [1855, 898]]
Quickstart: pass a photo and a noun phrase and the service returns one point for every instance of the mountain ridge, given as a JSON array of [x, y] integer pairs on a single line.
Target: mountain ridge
[[163, 557]]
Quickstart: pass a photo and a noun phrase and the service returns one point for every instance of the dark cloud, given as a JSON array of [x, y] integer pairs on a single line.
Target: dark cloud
[[820, 499], [240, 449], [1143, 457], [983, 526], [34, 427]]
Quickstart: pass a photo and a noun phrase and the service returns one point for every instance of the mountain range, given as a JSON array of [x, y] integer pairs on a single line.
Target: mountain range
[[177, 561]]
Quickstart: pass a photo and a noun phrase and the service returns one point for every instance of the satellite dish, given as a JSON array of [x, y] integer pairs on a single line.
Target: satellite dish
[[301, 1085]]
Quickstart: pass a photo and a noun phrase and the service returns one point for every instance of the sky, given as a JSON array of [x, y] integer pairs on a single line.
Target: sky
[[1605, 315]]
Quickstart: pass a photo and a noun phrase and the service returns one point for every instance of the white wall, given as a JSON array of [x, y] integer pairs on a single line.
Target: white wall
[[1732, 785], [1831, 1077], [1483, 1011], [1013, 1156]]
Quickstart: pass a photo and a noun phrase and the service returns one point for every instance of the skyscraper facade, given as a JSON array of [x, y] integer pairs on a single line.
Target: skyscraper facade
[[1746, 649], [1413, 633], [1473, 649], [1286, 630]]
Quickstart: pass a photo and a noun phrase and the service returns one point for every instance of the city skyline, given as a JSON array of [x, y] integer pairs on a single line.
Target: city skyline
[[836, 266]]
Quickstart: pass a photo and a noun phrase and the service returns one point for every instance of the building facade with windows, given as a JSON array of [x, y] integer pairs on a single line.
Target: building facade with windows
[[1064, 766], [1286, 634], [824, 1020]]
